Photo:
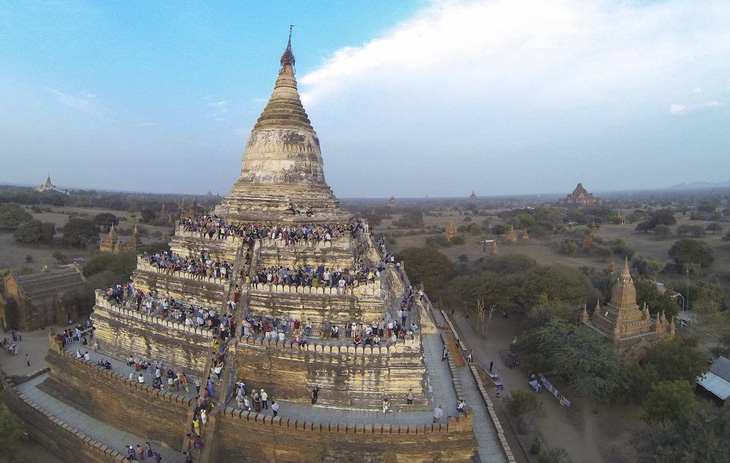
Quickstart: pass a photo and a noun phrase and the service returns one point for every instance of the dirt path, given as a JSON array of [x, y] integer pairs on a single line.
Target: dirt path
[[561, 427]]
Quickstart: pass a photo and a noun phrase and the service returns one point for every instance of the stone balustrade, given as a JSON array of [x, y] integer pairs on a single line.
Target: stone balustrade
[[342, 242], [453, 424], [370, 289], [146, 266], [411, 343], [103, 303], [181, 232]]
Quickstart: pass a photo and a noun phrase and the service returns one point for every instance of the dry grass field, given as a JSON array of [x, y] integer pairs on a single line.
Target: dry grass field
[[13, 254], [646, 245]]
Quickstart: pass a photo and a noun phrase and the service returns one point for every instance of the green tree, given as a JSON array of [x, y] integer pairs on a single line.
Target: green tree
[[677, 359], [669, 401], [105, 220], [35, 231], [697, 231], [60, 257], [703, 435], [11, 216], [684, 230], [557, 284], [662, 231], [458, 239], [714, 228], [10, 429], [648, 268], [525, 407], [648, 292], [644, 227], [499, 229], [79, 233], [585, 359], [428, 266], [691, 251], [664, 217]]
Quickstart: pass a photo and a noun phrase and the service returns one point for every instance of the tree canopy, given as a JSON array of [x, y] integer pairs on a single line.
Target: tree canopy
[[12, 216], [586, 360], [691, 251], [79, 233], [35, 231], [669, 401], [428, 266]]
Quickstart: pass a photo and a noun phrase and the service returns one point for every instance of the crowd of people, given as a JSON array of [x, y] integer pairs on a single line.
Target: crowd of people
[[215, 227], [296, 332], [316, 277], [199, 265], [169, 308], [139, 453]]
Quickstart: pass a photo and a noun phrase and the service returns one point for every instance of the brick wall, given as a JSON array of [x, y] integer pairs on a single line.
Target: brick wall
[[123, 404], [123, 332], [347, 376], [250, 437], [56, 436]]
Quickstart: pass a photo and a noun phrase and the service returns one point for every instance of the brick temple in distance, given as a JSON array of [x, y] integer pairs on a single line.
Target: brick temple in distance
[[632, 329], [281, 184]]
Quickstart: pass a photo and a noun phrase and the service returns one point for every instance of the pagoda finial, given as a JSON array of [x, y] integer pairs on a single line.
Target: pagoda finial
[[288, 56]]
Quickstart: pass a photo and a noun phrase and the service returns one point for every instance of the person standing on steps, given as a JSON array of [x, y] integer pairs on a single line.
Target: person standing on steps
[[444, 354], [315, 394], [264, 399], [437, 414], [491, 364], [409, 397], [274, 407], [27, 359]]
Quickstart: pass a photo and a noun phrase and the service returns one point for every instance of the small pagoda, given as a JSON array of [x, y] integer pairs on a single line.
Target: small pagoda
[[630, 327], [451, 230]]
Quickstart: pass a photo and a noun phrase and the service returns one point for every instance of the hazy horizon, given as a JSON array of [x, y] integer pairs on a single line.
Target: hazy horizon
[[409, 99]]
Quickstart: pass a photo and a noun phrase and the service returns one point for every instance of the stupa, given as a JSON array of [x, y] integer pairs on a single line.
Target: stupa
[[335, 388], [630, 327], [282, 176]]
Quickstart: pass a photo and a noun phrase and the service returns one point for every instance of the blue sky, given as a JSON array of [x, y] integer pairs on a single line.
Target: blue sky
[[408, 98]]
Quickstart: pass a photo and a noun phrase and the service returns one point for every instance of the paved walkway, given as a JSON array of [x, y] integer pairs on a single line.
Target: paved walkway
[[121, 367], [97, 430], [439, 378], [490, 449]]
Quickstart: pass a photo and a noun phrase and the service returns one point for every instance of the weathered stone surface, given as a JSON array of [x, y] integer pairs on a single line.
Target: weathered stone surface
[[103, 395]]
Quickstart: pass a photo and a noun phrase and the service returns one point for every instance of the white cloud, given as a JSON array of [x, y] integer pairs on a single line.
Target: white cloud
[[677, 109], [558, 52], [463, 80], [219, 109], [85, 103]]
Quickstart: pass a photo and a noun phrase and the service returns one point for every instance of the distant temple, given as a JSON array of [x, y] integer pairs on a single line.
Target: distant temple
[[631, 328], [114, 244], [49, 186], [37, 300], [510, 236], [451, 230], [580, 197], [392, 201], [473, 197], [193, 211]]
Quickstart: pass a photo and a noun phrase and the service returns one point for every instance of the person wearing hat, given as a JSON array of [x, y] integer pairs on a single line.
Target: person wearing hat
[[264, 399]]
